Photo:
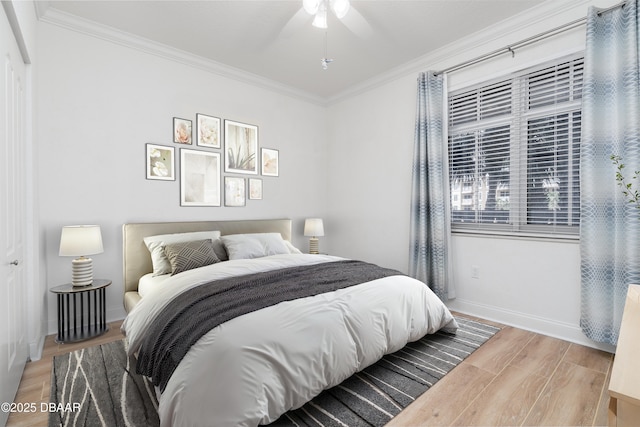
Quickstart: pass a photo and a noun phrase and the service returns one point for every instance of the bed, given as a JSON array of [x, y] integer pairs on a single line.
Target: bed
[[244, 340]]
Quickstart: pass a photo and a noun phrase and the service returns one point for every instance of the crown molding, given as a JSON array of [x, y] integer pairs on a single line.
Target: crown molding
[[531, 21], [110, 34], [41, 7], [14, 23]]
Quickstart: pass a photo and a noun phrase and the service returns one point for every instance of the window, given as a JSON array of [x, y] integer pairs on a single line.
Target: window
[[514, 152]]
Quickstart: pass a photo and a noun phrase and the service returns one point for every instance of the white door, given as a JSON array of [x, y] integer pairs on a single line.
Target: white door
[[13, 341]]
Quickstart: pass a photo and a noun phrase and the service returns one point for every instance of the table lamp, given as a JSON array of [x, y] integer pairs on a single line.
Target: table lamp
[[313, 228], [79, 241]]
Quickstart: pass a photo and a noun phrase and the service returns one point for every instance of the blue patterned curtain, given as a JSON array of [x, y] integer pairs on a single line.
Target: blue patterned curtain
[[609, 225], [430, 208]]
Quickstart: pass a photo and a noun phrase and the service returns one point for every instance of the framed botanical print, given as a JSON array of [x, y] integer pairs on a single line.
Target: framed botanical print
[[240, 147], [270, 162], [234, 191], [207, 131], [181, 131], [160, 162], [255, 189], [200, 174]]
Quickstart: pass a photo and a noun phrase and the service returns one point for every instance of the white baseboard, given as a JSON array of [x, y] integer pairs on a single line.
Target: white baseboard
[[544, 326]]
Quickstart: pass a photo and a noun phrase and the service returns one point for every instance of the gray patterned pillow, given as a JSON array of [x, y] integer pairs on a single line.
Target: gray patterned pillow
[[185, 256]]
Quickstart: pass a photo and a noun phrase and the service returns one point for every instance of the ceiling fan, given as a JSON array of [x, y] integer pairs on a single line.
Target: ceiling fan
[[319, 9], [342, 9]]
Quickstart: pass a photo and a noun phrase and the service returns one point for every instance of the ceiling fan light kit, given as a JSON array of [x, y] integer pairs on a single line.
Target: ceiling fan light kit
[[340, 7], [319, 9], [320, 21]]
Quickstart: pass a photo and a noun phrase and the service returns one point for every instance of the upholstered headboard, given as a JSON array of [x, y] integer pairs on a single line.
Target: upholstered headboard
[[137, 259]]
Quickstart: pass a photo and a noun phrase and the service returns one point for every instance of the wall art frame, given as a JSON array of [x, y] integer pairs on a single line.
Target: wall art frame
[[270, 162], [240, 147], [182, 131], [255, 189], [208, 131], [161, 163], [234, 191], [200, 175]]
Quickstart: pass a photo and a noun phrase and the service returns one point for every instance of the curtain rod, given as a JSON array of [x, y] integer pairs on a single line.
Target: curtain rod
[[522, 43]]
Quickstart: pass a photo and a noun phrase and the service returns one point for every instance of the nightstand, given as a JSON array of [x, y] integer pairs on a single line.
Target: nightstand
[[81, 311]]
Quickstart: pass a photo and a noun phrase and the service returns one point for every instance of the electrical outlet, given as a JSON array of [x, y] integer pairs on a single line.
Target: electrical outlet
[[475, 272]]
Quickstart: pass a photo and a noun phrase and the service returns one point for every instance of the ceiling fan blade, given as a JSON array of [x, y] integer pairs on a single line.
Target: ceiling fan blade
[[295, 24], [357, 24]]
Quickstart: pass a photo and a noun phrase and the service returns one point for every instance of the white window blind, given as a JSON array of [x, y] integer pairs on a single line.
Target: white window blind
[[514, 152]]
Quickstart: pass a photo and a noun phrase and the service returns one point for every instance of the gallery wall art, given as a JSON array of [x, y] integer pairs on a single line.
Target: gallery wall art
[[199, 178], [221, 146], [160, 162], [241, 147]]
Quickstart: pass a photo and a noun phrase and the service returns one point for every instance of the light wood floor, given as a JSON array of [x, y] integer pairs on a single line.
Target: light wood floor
[[36, 379], [516, 378]]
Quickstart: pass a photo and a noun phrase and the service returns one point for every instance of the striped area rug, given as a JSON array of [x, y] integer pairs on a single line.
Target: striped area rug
[[110, 394], [378, 393], [98, 386]]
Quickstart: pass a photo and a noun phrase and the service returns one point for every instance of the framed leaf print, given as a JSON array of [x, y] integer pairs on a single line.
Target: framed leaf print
[[241, 147]]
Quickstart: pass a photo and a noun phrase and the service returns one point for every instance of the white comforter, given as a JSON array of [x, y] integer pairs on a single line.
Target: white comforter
[[252, 369]]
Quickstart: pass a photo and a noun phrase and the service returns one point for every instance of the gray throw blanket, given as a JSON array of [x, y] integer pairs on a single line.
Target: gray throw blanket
[[196, 311]]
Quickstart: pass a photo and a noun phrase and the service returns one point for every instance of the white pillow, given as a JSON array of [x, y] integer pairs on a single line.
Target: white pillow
[[155, 244], [149, 283], [292, 249], [254, 245]]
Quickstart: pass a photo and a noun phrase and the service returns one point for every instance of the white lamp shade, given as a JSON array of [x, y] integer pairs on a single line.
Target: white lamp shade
[[313, 227], [78, 240]]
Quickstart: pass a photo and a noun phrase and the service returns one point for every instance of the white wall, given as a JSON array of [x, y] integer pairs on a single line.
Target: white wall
[[99, 103], [529, 283], [370, 152]]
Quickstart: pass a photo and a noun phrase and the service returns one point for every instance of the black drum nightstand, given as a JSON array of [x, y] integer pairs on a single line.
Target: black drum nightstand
[[81, 311]]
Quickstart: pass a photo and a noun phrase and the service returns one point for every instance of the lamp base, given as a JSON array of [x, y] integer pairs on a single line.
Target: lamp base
[[313, 246], [82, 272]]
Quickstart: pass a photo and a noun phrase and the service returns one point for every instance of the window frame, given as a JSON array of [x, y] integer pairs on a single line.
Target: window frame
[[518, 121]]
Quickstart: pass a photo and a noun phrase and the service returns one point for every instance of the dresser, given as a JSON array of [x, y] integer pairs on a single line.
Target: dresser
[[624, 386]]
